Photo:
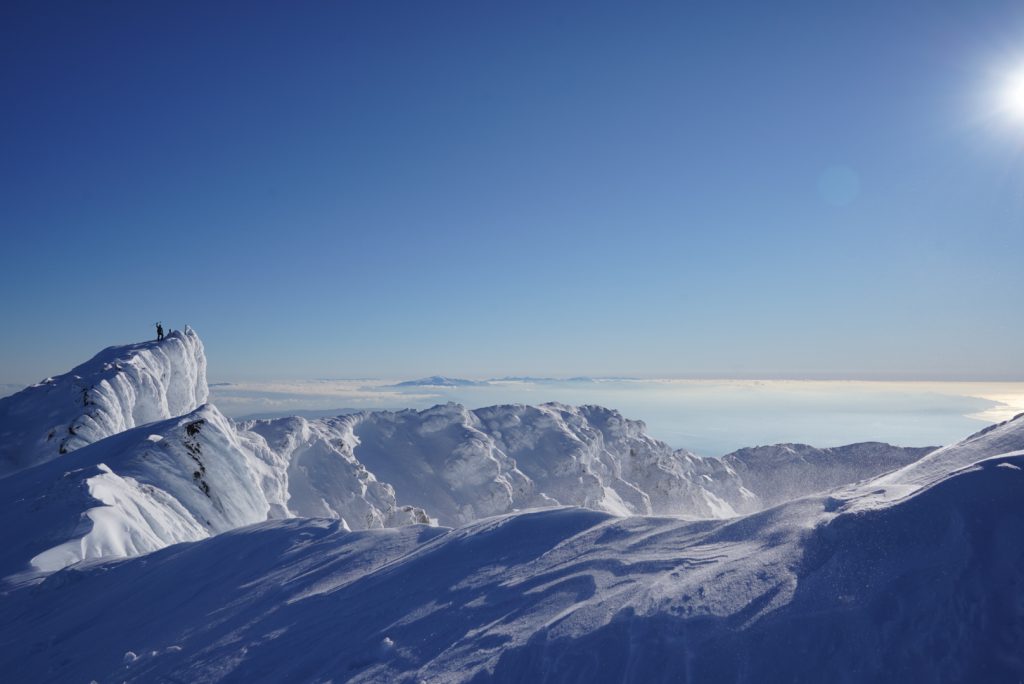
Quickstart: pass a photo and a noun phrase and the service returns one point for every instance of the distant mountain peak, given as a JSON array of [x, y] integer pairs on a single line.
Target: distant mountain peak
[[440, 381]]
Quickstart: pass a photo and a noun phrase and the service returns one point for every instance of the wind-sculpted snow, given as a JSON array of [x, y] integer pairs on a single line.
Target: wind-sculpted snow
[[927, 589], [783, 472], [133, 491], [916, 574], [995, 439], [592, 456], [323, 479], [178, 480], [461, 465], [118, 389]]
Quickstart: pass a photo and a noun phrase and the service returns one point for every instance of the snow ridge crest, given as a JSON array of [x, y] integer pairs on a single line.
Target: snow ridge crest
[[118, 389]]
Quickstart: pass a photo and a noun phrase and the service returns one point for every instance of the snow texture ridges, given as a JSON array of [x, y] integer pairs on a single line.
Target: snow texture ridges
[[118, 389]]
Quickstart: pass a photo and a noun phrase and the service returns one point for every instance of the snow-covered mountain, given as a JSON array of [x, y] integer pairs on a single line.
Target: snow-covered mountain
[[461, 465], [928, 588], [783, 472], [180, 479], [193, 473], [118, 389], [440, 381], [996, 439], [300, 549]]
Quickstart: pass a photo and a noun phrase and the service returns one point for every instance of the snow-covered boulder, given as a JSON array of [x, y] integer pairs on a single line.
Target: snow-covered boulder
[[118, 389]]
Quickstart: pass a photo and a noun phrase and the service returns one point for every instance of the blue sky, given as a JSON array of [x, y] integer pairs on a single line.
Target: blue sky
[[381, 189]]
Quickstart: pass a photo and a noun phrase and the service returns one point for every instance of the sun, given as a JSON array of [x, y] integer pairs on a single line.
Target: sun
[[1011, 96]]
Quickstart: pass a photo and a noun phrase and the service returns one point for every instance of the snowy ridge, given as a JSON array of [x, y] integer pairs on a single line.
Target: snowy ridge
[[184, 478], [930, 585], [783, 472], [322, 479], [177, 480], [118, 389], [919, 570], [996, 439], [461, 465]]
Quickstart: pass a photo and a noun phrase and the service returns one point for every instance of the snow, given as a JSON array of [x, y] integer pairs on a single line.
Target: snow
[[322, 478], [509, 543], [130, 494], [783, 472], [927, 588], [996, 439], [190, 476], [118, 389]]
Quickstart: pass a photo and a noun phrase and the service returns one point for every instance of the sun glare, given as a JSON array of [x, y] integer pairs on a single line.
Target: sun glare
[[1011, 97]]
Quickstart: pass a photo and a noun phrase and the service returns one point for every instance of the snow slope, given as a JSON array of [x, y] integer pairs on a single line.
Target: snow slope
[[783, 472], [927, 589], [182, 479], [118, 389], [323, 479], [169, 551], [996, 439], [461, 465], [176, 480], [135, 490]]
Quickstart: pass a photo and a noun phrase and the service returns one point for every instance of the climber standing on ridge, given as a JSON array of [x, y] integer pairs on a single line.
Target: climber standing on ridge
[[159, 332]]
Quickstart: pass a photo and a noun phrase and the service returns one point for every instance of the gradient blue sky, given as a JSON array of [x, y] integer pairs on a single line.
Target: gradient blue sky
[[337, 189]]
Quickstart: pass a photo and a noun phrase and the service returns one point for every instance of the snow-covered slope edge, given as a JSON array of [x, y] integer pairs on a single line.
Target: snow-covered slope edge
[[930, 588], [461, 465], [783, 472], [118, 389], [181, 479], [176, 480], [996, 439]]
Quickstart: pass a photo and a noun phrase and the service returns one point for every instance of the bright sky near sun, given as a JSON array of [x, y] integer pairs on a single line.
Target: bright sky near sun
[[396, 189]]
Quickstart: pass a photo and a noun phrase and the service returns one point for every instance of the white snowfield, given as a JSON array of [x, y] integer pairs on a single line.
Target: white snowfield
[[316, 554]]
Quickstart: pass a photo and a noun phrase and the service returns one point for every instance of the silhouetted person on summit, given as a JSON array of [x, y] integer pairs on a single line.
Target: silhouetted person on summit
[[159, 332]]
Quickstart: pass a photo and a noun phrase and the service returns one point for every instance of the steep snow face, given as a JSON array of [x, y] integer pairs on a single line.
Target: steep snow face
[[461, 465], [454, 466], [930, 588], [177, 480], [438, 460], [594, 457], [118, 389], [323, 479], [783, 472]]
